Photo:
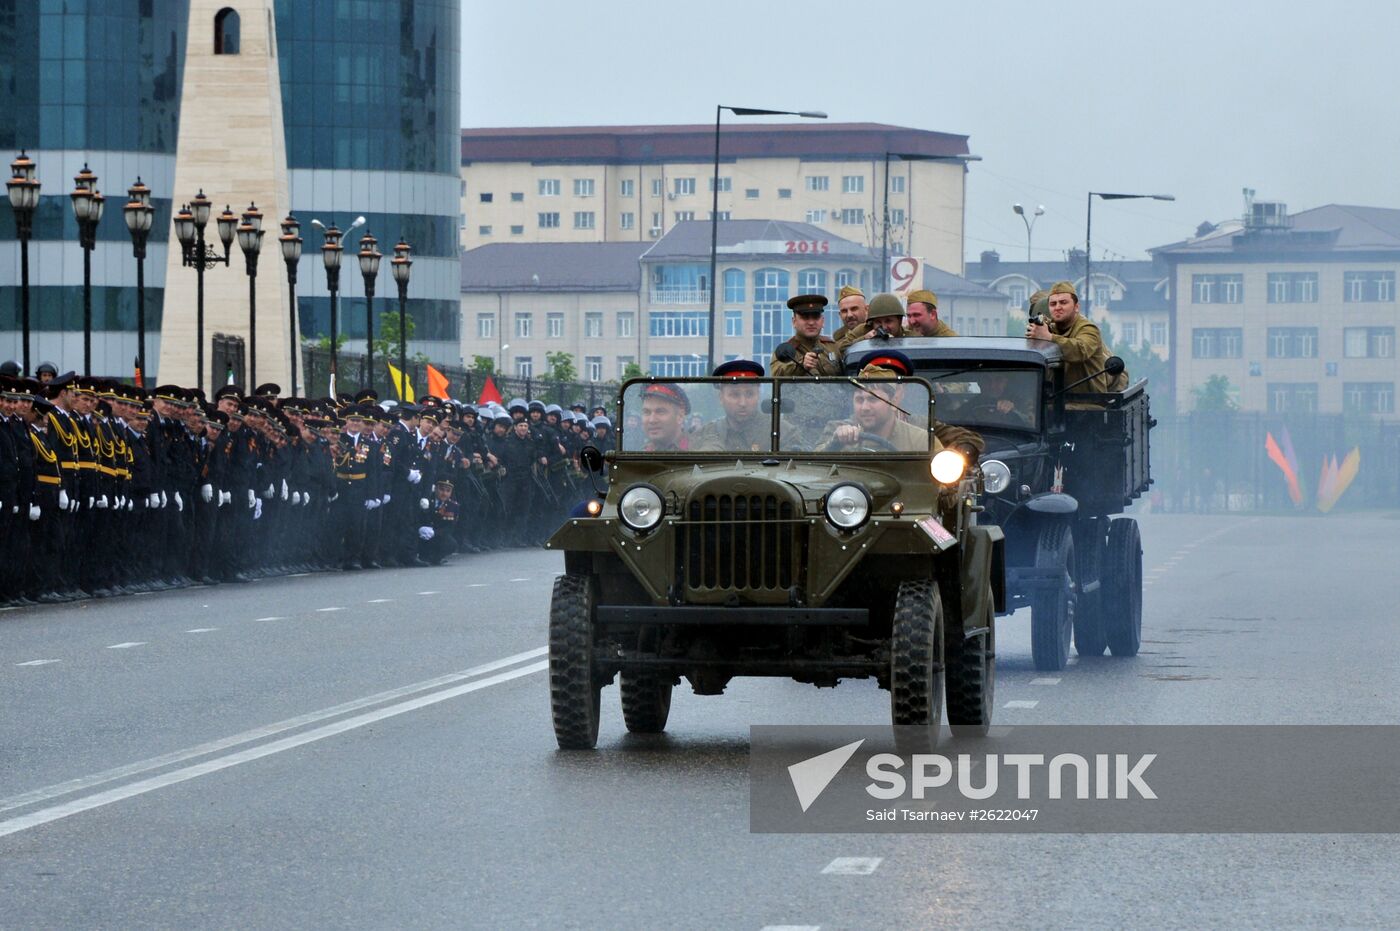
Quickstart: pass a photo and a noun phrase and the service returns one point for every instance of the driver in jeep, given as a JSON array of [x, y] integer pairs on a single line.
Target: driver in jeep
[[877, 423]]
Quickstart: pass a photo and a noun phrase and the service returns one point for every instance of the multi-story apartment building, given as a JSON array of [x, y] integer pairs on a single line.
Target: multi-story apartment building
[[637, 183], [1297, 311]]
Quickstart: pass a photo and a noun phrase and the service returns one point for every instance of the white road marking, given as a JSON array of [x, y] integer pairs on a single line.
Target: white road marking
[[430, 593], [852, 866], [478, 585], [324, 610], [1046, 680], [100, 799], [181, 756], [269, 618], [201, 630], [379, 601], [1020, 703], [39, 662], [791, 928], [128, 645], [519, 580]]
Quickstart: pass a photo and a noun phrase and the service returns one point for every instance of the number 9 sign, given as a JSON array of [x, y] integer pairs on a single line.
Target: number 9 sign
[[904, 272]]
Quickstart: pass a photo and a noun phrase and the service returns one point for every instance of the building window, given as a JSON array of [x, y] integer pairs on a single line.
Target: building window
[[733, 323], [684, 215], [593, 324], [549, 187], [816, 216], [593, 368], [725, 185], [627, 221], [517, 229], [1368, 397], [853, 216], [897, 216], [683, 186], [656, 222], [676, 366], [1217, 342], [1292, 397], [583, 219], [733, 286], [770, 286], [1217, 289], [1373, 342], [583, 187], [896, 184], [524, 367], [485, 326], [517, 197], [1016, 296], [462, 220], [1292, 287], [483, 231], [844, 277], [853, 184], [524, 326], [1130, 335], [1368, 287], [624, 325], [811, 281], [818, 183], [549, 221], [1159, 334], [554, 326], [784, 193], [751, 193], [664, 324], [1292, 342], [486, 198], [623, 362], [657, 187], [723, 215], [627, 188], [226, 32]]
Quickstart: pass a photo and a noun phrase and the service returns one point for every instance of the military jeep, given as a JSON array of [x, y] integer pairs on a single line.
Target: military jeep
[[1057, 467], [797, 528]]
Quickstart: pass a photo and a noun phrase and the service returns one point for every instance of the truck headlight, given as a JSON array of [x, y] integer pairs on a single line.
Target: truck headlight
[[847, 506], [996, 476], [948, 466], [640, 507]]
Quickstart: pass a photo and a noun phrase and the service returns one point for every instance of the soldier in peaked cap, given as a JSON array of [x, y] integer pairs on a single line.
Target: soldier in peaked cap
[[744, 426], [1080, 342], [921, 316], [664, 409], [811, 352], [851, 305]]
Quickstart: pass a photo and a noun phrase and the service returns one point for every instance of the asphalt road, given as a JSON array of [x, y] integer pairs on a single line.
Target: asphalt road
[[374, 750]]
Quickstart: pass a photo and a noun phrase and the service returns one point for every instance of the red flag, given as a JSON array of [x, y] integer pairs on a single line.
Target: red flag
[[489, 392], [136, 364], [437, 383]]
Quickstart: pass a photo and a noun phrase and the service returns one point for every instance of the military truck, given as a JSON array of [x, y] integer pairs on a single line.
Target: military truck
[[1057, 469], [800, 528]]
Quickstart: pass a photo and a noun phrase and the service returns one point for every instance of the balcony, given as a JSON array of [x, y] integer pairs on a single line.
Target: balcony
[[679, 296]]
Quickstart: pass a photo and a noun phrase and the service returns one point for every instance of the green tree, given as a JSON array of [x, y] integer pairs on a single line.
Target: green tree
[[1215, 395], [559, 366], [484, 365], [386, 345], [324, 342], [632, 370]]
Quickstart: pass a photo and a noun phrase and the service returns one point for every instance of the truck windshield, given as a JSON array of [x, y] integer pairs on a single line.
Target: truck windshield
[[733, 415], [995, 398]]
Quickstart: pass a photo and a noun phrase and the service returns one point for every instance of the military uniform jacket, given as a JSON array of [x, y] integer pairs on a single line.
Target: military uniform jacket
[[48, 471], [9, 466], [356, 465], [724, 436], [828, 358], [63, 439], [1084, 353]]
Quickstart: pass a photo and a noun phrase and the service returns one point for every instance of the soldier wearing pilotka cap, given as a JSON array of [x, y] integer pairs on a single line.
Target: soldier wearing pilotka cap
[[851, 306], [1081, 344], [921, 315]]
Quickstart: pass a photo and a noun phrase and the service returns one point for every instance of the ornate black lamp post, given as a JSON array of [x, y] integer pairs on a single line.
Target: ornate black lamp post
[[139, 214], [402, 265], [87, 209], [250, 236], [189, 229], [291, 254], [24, 198], [330, 255], [369, 270]]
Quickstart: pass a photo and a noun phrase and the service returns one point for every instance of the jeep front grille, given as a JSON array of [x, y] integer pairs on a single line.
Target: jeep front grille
[[740, 543]]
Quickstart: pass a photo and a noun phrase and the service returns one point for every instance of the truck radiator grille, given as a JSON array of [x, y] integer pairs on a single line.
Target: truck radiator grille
[[740, 543]]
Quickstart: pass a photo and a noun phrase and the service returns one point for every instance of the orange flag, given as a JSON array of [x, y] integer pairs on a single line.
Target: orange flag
[[489, 392], [1295, 492], [437, 383]]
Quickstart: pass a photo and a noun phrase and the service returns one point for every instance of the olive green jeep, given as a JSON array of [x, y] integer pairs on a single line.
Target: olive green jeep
[[803, 528]]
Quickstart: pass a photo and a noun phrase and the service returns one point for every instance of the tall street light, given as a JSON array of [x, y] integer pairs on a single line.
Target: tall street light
[[714, 209], [1088, 229], [369, 270], [139, 215], [250, 236], [1030, 223], [402, 265], [885, 235], [24, 198], [331, 251], [194, 253], [87, 209], [291, 254]]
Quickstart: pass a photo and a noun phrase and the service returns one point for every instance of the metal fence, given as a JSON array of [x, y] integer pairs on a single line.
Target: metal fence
[[352, 374]]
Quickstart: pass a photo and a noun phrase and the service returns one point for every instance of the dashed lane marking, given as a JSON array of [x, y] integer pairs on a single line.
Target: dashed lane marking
[[39, 662], [201, 630], [1046, 680], [852, 866], [1020, 703], [519, 580], [430, 593], [379, 601], [273, 618], [128, 645], [324, 610], [478, 585]]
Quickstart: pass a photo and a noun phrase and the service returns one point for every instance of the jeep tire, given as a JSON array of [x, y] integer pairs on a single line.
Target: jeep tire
[[971, 673], [573, 679], [646, 701], [916, 666]]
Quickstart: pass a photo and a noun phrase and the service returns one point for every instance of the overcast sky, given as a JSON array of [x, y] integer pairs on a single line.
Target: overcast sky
[[1195, 99]]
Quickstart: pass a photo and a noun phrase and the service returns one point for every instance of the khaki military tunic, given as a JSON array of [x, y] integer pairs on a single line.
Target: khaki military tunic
[[828, 358], [905, 437], [726, 436], [1084, 352]]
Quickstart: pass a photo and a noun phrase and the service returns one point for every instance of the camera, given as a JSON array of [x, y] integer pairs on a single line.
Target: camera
[[880, 332]]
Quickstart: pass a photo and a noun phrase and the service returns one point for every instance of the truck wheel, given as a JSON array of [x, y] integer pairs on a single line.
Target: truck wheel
[[1089, 637], [646, 701], [916, 666], [971, 675], [1052, 610], [1123, 605], [573, 680]]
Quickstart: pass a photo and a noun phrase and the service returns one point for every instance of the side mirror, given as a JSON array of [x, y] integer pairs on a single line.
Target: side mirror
[[591, 459], [1114, 365]]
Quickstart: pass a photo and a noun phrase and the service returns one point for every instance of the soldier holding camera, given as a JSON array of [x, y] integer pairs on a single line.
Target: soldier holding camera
[[808, 352]]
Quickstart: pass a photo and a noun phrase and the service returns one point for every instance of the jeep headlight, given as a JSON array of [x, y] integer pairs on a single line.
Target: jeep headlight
[[947, 467], [847, 506], [996, 476], [640, 507]]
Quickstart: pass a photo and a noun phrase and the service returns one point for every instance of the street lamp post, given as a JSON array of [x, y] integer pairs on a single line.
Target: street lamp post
[[714, 208], [1029, 222], [885, 236], [401, 265], [139, 214], [1088, 229], [250, 236], [87, 209], [291, 254], [331, 251], [369, 271], [189, 229], [24, 198]]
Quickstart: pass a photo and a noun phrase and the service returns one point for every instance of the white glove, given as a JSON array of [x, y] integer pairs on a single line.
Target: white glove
[[296, 497], [425, 533], [257, 510], [34, 512], [267, 493], [252, 498], [179, 502], [371, 504], [74, 508], [284, 489], [14, 508], [164, 501], [89, 504], [153, 500], [121, 502], [130, 505], [386, 499], [306, 499], [224, 497], [62, 500], [423, 503], [335, 495], [414, 476], [206, 491], [102, 503]]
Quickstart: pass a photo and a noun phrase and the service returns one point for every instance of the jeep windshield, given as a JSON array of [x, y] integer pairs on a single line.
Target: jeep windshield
[[760, 415], [1004, 399]]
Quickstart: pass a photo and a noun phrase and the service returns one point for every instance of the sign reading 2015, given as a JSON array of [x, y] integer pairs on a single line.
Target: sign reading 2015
[[808, 246]]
